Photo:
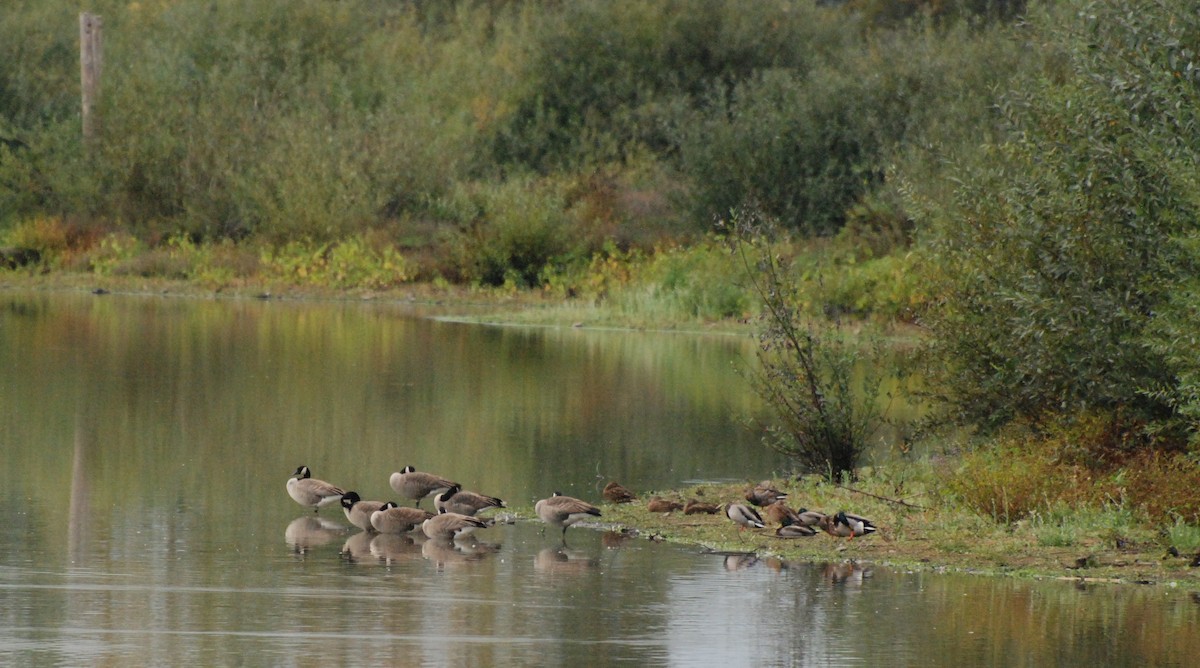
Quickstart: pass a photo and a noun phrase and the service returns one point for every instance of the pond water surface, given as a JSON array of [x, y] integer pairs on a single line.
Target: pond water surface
[[145, 443]]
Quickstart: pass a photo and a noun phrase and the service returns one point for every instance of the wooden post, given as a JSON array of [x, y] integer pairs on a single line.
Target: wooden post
[[91, 57]]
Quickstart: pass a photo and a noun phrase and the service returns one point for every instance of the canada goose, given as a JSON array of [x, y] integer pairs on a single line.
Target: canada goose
[[660, 505], [457, 500], [744, 516], [393, 519], [764, 494], [693, 507], [358, 512], [563, 511], [615, 492], [308, 491], [416, 485], [795, 531], [452, 526], [847, 524]]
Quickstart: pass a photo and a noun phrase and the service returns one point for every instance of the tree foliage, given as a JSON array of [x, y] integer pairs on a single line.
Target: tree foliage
[[1059, 251]]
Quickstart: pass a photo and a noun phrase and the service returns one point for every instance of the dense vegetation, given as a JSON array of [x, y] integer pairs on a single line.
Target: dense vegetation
[[1018, 180]]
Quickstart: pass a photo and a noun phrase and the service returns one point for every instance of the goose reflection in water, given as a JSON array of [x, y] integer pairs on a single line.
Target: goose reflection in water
[[305, 533], [563, 560], [390, 548], [445, 553], [357, 548]]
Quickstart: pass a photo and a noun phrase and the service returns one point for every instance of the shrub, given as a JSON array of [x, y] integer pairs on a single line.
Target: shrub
[[822, 389], [1059, 250], [350, 263], [519, 228]]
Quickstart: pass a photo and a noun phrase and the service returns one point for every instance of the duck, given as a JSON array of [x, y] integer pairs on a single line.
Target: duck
[[358, 512], [764, 494], [308, 491], [452, 526], [695, 506], [410, 483], [795, 531], [394, 519], [563, 511], [615, 492], [848, 525], [658, 504], [744, 516], [457, 500], [809, 518], [780, 514]]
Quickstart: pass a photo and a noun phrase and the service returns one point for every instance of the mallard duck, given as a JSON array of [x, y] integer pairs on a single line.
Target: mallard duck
[[744, 516], [780, 514], [615, 492], [416, 485], [458, 500], [563, 511], [308, 491], [658, 504], [393, 519], [358, 512], [764, 494], [795, 531], [694, 506], [847, 524], [809, 518]]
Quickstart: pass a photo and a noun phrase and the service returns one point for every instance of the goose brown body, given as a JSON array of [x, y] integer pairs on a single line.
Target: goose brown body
[[415, 485], [563, 511], [358, 512], [308, 491], [457, 500], [451, 526], [393, 519]]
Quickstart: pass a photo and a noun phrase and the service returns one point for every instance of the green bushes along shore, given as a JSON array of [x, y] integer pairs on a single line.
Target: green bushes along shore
[[1016, 179]]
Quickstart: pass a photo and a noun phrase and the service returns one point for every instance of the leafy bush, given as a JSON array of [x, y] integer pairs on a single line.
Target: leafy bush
[[822, 388], [518, 228], [350, 263], [1058, 250]]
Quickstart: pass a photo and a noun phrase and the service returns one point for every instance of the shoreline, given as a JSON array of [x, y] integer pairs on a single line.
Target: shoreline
[[930, 539], [938, 536]]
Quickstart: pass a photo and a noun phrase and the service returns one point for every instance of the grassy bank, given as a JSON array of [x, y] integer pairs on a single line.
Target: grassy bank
[[935, 532]]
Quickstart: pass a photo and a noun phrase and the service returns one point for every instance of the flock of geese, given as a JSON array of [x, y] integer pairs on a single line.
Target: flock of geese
[[457, 509]]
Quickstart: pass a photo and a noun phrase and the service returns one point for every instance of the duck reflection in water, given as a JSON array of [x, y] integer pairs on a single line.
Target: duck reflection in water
[[304, 533], [846, 574], [556, 560]]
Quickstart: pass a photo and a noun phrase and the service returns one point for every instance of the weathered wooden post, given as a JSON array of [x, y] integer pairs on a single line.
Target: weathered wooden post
[[91, 57]]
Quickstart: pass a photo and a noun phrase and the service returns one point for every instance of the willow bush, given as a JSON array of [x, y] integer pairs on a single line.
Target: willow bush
[[1058, 251]]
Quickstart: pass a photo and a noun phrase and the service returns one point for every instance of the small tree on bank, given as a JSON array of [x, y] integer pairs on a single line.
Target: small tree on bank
[[819, 386]]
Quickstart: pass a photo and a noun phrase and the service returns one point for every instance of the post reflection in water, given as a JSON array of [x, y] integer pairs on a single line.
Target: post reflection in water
[[172, 424]]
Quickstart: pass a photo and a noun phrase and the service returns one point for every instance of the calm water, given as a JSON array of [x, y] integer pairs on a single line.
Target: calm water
[[145, 443]]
